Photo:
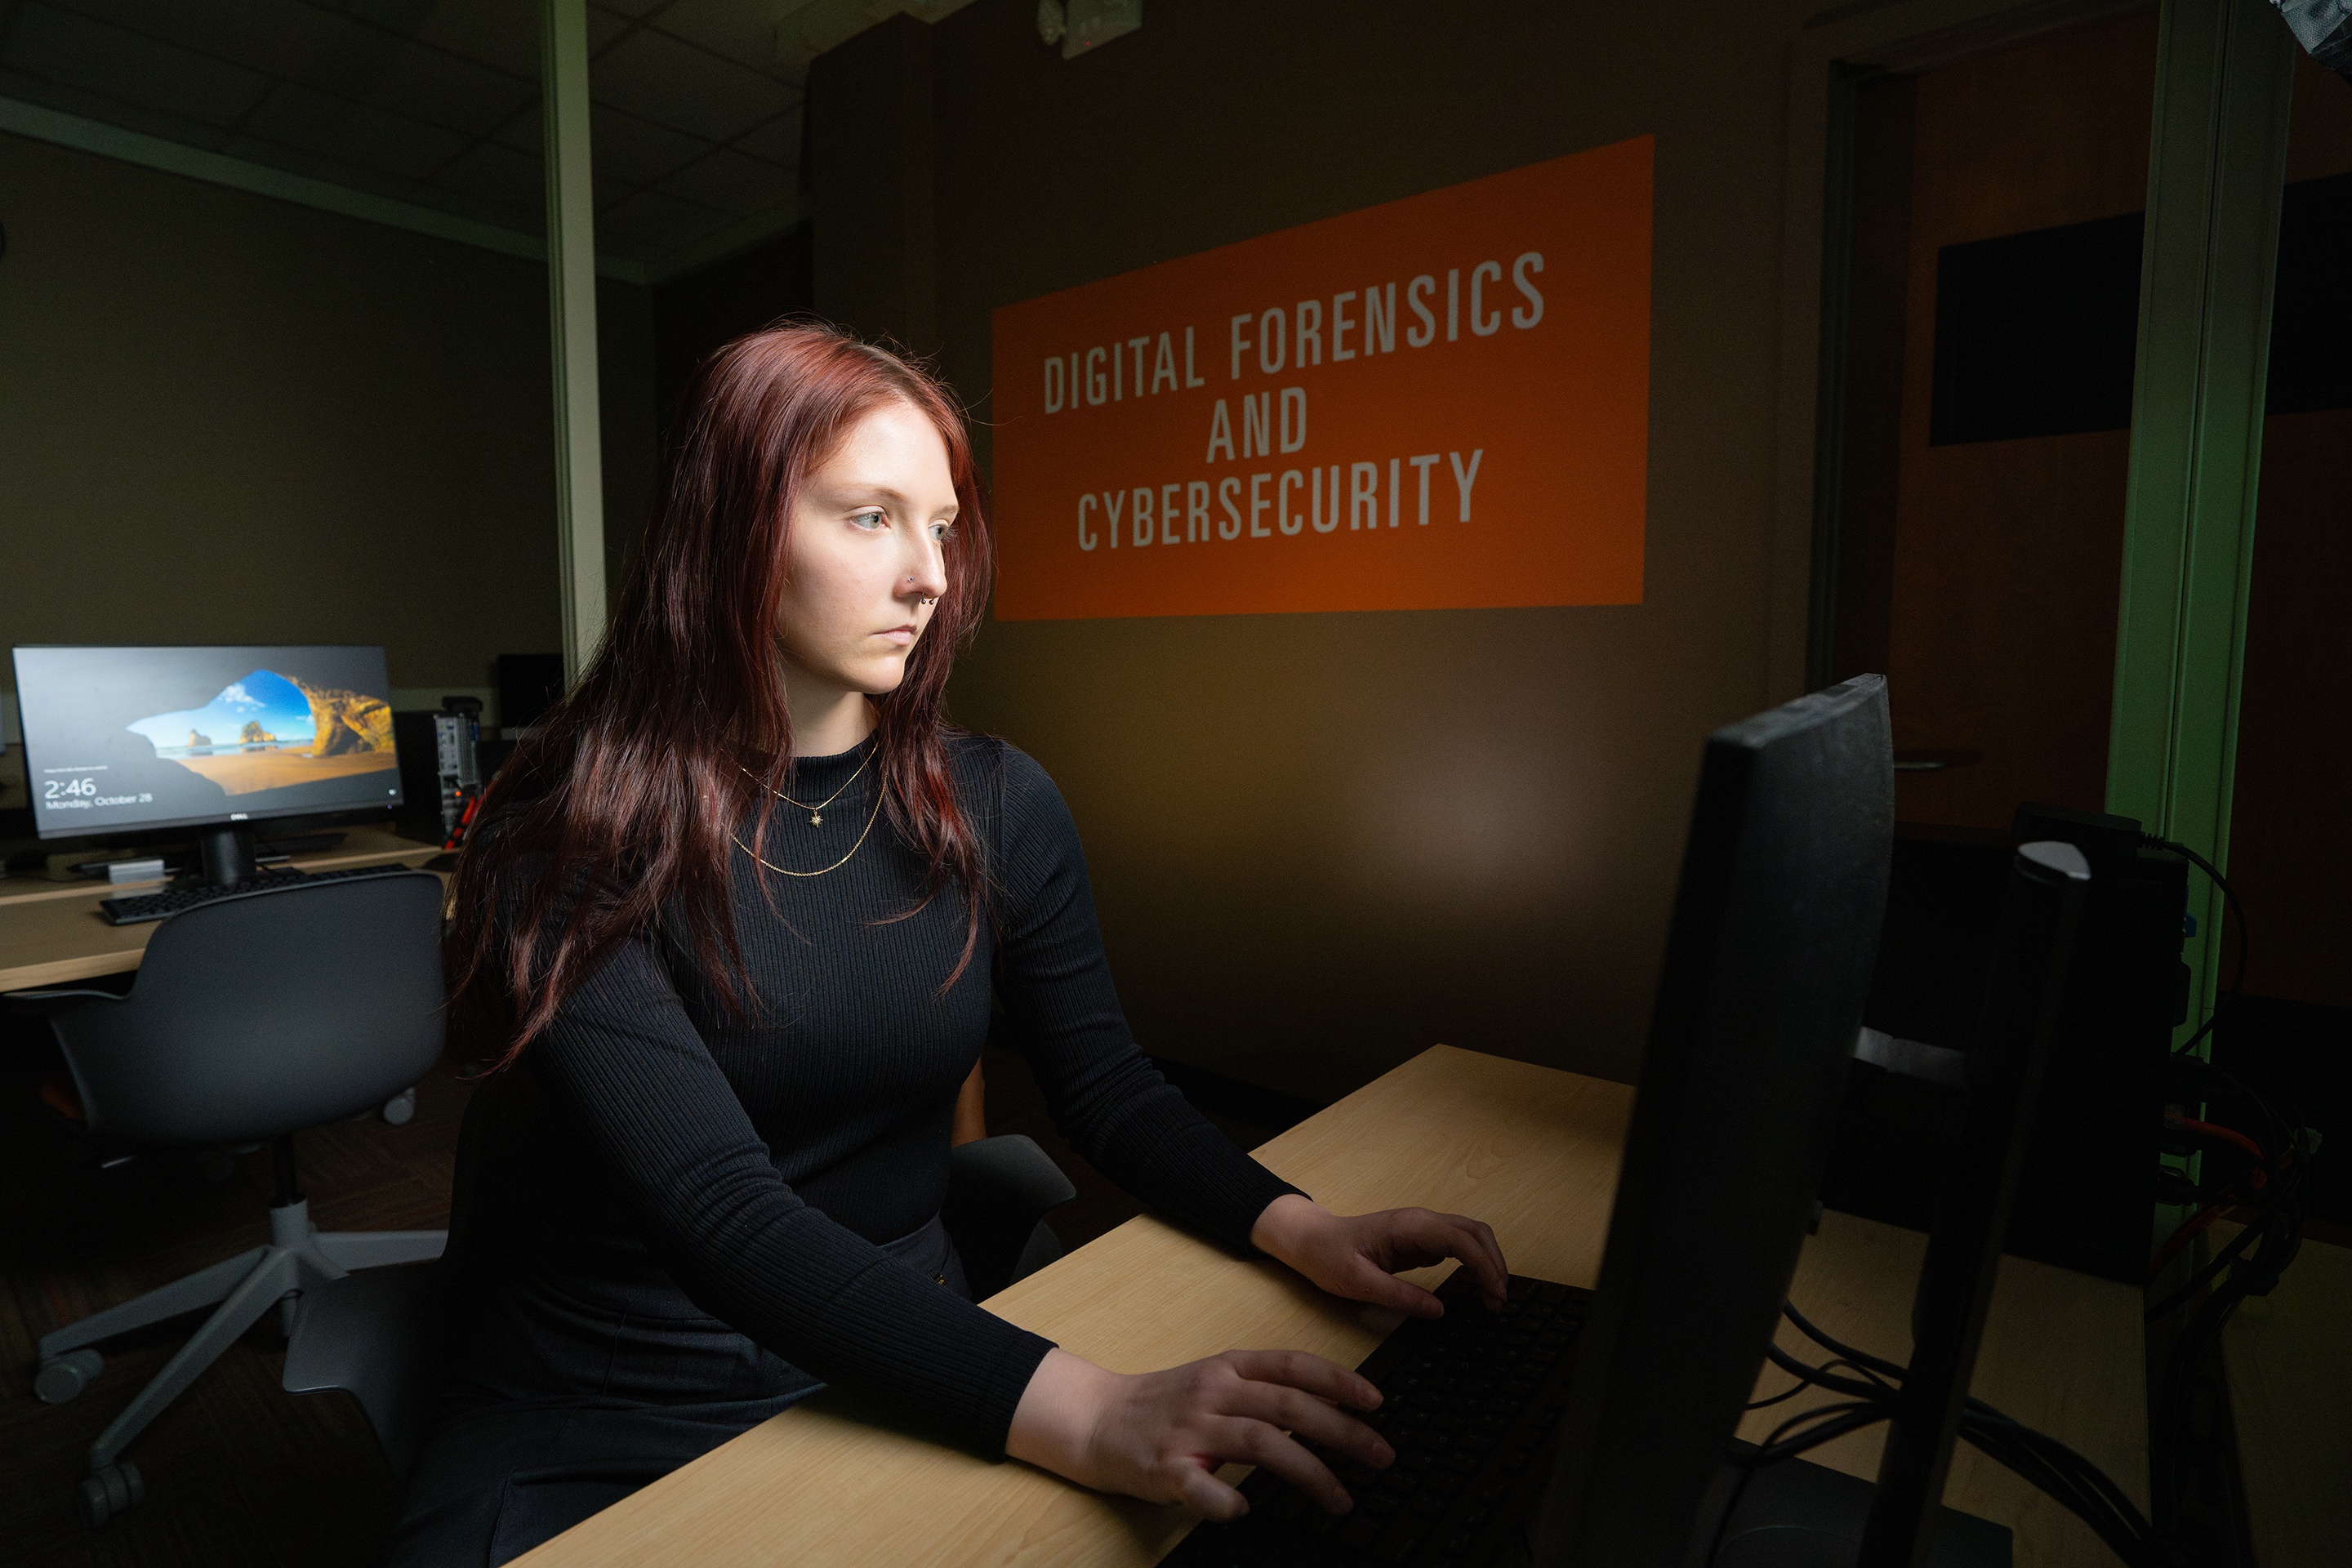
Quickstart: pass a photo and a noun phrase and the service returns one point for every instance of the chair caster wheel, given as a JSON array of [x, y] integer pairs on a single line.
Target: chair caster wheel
[[67, 1375], [401, 1108], [116, 1490]]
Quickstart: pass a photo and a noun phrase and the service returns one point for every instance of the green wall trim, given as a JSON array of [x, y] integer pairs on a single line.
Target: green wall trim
[[2216, 165]]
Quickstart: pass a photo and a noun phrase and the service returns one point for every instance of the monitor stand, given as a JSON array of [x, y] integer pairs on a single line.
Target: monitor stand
[[225, 855], [1796, 1514]]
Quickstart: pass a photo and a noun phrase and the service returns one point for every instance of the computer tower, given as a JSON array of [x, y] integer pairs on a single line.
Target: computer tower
[[2087, 1199], [529, 684]]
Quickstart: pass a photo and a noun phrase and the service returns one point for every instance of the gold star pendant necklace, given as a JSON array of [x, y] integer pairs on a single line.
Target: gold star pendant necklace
[[816, 812], [816, 818]]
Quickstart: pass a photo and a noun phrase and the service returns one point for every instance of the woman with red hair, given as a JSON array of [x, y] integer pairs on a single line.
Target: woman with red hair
[[733, 926]]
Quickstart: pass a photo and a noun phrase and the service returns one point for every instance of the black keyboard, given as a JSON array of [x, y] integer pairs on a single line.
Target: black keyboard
[[1469, 1403], [139, 907]]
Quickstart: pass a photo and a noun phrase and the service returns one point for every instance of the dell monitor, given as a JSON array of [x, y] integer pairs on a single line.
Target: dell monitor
[[1767, 962], [210, 738]]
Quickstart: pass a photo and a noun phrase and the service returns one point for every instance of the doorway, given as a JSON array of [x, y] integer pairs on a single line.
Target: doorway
[[1986, 423]]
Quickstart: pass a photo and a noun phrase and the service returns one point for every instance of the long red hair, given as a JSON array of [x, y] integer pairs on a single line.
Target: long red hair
[[621, 808]]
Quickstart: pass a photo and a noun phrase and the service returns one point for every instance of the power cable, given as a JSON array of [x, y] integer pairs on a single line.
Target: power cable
[[2237, 910]]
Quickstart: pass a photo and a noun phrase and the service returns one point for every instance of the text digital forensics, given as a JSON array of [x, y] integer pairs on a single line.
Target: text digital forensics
[[1440, 402]]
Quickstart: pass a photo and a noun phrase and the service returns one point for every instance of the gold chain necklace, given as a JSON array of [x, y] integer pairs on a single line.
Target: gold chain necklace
[[837, 865], [816, 812]]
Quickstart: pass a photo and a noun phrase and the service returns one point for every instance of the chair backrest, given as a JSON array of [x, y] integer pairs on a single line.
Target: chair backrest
[[264, 1013], [999, 1192], [499, 1186]]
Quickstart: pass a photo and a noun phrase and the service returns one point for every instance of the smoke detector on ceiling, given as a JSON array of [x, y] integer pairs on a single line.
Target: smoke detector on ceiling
[[1082, 25]]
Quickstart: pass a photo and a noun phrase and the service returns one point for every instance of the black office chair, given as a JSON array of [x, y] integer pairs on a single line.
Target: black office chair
[[252, 1016], [383, 1336], [999, 1192]]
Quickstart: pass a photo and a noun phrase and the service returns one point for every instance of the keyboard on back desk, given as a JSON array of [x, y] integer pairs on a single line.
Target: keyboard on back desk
[[140, 907], [1469, 1402]]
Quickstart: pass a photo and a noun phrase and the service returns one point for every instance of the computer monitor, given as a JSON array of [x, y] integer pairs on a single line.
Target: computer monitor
[[213, 739], [1767, 962]]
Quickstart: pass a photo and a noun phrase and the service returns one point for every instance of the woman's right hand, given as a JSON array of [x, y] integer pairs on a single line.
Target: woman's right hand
[[1160, 1435]]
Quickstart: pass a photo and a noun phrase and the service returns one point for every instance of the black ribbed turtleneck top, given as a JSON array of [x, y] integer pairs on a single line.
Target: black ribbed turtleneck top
[[757, 1160]]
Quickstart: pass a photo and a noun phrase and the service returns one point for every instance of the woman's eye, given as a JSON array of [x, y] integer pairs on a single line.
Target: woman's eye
[[942, 532], [870, 520]]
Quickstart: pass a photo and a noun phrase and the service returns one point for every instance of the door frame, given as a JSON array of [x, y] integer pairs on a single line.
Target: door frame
[[2217, 166], [1828, 63]]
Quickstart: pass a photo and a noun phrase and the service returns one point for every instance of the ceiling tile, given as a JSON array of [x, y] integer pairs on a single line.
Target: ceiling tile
[[111, 111], [632, 151], [296, 116], [278, 38], [658, 77], [744, 34], [79, 52], [530, 220], [663, 223], [318, 166], [403, 16], [496, 173], [732, 183], [443, 90], [627, 249], [334, 54], [526, 130], [635, 150], [778, 142], [500, 33], [603, 28], [503, 33]]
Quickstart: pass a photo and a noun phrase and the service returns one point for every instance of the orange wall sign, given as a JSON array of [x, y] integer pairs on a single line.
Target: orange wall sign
[[1440, 403]]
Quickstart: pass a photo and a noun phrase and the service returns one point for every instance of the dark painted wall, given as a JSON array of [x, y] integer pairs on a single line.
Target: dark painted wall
[[696, 314], [678, 324], [1321, 843], [227, 418]]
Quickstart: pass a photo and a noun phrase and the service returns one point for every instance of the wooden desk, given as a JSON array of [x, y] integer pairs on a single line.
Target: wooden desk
[[2289, 1356], [1533, 1152], [51, 933]]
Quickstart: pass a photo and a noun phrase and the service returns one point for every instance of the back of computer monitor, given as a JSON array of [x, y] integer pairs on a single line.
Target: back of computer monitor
[[1767, 962]]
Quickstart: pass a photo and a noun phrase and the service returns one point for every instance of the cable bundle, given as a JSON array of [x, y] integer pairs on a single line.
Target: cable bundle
[[1872, 1384], [2264, 1164], [2264, 1170]]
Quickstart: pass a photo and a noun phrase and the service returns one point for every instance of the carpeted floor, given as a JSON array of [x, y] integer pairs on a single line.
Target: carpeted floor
[[236, 1470]]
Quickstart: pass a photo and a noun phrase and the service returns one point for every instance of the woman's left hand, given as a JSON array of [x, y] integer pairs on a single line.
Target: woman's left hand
[[1356, 1256]]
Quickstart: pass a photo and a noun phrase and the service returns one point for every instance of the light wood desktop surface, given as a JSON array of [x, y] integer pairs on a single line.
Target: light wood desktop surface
[[1532, 1150], [51, 933], [2289, 1356]]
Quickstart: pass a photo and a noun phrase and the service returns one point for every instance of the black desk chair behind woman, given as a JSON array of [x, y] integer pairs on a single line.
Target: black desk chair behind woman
[[253, 1016], [738, 912]]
